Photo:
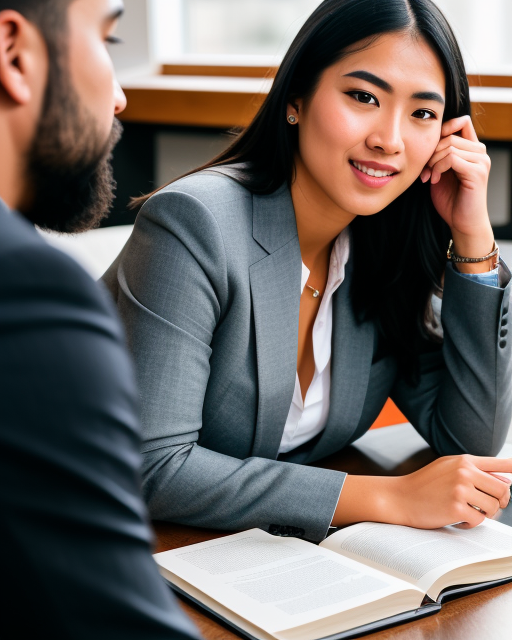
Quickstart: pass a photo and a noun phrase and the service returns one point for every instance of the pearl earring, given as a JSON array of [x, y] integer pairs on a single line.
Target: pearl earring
[[292, 119]]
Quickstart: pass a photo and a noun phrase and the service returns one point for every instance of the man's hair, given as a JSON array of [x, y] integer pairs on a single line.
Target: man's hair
[[48, 15]]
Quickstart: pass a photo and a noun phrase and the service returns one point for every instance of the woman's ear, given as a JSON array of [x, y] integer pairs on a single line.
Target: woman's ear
[[23, 57], [293, 110]]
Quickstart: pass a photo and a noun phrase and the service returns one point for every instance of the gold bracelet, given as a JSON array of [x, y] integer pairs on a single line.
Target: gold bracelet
[[455, 258]]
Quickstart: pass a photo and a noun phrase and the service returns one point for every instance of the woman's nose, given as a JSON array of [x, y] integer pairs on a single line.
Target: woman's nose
[[386, 137]]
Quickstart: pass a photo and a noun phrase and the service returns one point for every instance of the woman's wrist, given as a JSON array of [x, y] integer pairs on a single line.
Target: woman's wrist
[[475, 245], [369, 499]]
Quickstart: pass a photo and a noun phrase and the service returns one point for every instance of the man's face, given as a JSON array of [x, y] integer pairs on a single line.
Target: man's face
[[69, 162]]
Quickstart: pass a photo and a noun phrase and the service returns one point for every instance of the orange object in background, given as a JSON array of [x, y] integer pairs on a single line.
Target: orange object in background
[[389, 415]]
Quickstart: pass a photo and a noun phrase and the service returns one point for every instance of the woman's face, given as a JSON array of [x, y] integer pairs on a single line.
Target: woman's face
[[377, 111]]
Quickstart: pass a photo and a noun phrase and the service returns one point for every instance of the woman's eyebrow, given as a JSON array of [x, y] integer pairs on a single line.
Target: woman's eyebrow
[[428, 95], [385, 86], [369, 77]]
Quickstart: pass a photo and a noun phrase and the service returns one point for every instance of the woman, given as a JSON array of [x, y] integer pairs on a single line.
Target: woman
[[275, 299]]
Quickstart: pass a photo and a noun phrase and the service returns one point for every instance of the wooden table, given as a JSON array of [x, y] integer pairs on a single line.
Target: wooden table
[[391, 451]]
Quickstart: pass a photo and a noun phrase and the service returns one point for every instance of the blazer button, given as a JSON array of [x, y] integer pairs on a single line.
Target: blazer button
[[503, 344], [504, 322], [503, 333], [505, 311], [286, 531]]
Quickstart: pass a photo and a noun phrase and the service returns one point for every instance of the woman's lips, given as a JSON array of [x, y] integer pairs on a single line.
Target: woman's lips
[[371, 181]]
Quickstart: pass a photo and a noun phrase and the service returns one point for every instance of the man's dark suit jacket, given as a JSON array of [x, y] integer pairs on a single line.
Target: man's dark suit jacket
[[74, 541]]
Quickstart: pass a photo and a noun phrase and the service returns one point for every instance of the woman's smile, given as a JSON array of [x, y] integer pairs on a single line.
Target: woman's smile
[[373, 174]]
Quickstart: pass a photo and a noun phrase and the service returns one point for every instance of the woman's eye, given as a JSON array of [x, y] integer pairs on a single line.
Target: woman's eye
[[364, 97], [422, 114]]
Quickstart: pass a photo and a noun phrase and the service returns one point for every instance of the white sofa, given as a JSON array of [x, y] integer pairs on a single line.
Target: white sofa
[[95, 250]]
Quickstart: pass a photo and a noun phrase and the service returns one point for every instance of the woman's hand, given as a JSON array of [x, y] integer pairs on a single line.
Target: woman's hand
[[449, 489], [459, 174], [444, 492]]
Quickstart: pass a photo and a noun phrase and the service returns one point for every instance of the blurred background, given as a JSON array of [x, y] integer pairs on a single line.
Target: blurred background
[[267, 27], [193, 70]]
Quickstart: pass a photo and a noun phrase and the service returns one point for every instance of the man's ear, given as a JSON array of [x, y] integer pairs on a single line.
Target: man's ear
[[20, 54]]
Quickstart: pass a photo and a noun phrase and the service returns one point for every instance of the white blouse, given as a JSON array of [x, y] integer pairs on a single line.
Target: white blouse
[[307, 418]]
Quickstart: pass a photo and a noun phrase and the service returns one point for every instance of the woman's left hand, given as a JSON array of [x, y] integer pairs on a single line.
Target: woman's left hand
[[459, 173]]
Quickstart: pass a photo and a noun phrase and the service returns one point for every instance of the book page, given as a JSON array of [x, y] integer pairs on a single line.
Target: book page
[[277, 583], [421, 556]]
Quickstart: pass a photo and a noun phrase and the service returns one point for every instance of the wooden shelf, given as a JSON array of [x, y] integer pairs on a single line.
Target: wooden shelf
[[202, 101], [231, 71], [492, 112], [229, 97]]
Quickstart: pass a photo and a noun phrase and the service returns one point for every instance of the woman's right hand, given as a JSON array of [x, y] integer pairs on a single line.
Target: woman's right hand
[[436, 495], [442, 492]]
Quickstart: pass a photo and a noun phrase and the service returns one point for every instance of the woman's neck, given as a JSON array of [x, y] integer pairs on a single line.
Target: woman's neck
[[319, 219]]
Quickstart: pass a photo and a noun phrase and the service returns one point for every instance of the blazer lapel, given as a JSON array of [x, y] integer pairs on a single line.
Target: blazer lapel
[[275, 289], [351, 357]]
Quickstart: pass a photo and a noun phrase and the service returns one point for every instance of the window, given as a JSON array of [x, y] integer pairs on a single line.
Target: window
[[226, 28], [482, 28], [243, 29]]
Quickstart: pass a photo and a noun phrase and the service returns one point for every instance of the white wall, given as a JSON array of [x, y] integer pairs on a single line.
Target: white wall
[[267, 27], [482, 28], [135, 50]]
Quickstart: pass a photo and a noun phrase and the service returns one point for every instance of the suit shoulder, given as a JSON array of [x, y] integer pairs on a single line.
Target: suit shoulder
[[17, 232], [217, 192], [37, 277], [37, 261]]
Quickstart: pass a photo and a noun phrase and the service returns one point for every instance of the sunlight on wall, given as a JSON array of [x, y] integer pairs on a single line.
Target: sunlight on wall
[[227, 27], [483, 31], [267, 27]]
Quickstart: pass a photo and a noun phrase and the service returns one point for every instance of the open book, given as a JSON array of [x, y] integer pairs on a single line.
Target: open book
[[362, 578]]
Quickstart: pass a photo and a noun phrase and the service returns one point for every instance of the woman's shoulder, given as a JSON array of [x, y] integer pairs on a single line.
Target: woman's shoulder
[[213, 188], [209, 207]]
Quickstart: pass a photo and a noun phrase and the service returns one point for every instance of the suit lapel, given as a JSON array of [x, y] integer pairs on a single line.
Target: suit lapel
[[275, 290], [351, 357]]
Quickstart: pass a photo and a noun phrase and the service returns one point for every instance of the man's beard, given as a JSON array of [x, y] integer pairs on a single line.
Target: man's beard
[[71, 177]]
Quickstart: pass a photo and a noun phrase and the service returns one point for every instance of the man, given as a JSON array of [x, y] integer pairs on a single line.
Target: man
[[74, 541]]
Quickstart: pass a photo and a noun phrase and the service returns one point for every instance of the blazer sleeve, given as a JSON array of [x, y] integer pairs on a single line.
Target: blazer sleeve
[[463, 403], [75, 535], [173, 289]]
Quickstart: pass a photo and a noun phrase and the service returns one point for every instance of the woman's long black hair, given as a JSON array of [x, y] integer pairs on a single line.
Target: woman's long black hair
[[400, 252]]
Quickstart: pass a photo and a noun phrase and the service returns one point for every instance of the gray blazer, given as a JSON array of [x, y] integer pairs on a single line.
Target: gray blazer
[[209, 287]]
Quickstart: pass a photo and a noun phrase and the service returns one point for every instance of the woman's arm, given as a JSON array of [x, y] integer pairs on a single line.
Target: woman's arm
[[463, 402], [444, 492], [174, 291], [459, 175]]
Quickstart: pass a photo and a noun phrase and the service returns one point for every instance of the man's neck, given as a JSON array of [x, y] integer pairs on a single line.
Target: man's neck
[[13, 171]]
